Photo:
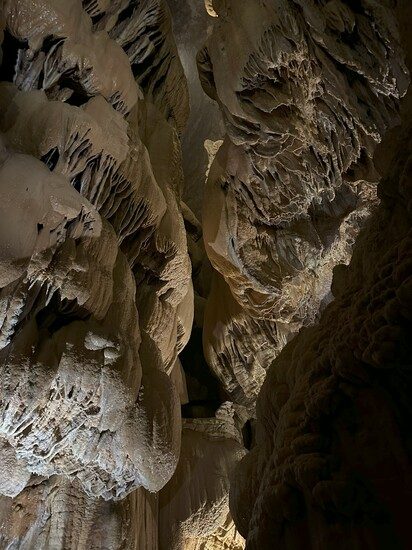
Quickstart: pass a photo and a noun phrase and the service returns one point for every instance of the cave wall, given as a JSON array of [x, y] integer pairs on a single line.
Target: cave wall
[[171, 383], [332, 460], [306, 90], [97, 249], [191, 26], [293, 184], [331, 466]]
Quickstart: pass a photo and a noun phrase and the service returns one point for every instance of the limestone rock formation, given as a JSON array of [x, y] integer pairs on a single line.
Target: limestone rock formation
[[332, 459], [57, 514], [331, 465], [96, 291], [236, 344], [194, 506], [96, 294], [191, 27], [143, 28], [171, 383], [306, 89]]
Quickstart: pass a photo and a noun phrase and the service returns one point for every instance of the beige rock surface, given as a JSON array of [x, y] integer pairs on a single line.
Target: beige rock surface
[[194, 506], [57, 514], [331, 465], [96, 298], [119, 428], [292, 184], [143, 29], [64, 56]]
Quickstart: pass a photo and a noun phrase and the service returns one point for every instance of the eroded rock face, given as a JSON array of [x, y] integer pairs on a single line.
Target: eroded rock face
[[57, 514], [191, 26], [102, 265], [55, 48], [306, 91], [332, 460], [96, 293], [236, 344], [194, 505], [143, 28]]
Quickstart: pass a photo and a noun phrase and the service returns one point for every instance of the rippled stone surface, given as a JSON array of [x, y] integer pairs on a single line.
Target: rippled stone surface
[[306, 91]]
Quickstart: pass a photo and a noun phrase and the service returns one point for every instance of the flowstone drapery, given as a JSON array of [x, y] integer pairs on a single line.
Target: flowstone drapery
[[170, 383], [306, 90]]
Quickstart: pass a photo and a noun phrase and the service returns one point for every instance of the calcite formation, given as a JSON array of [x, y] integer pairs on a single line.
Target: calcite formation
[[96, 292], [194, 505], [191, 26], [236, 382], [95, 275], [306, 89], [236, 344], [332, 459], [331, 464], [58, 514]]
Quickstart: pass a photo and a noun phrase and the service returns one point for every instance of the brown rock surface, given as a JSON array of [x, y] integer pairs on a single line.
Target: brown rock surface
[[332, 462], [143, 353], [306, 89], [331, 466], [194, 505], [96, 296]]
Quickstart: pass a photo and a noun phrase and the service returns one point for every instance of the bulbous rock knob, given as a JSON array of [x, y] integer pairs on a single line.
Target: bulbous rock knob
[[210, 8]]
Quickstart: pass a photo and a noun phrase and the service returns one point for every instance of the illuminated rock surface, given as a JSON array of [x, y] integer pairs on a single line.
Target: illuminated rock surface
[[205, 284]]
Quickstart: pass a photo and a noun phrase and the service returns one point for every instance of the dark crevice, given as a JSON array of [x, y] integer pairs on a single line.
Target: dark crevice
[[247, 435], [200, 409], [205, 391], [51, 158], [77, 182], [11, 47], [97, 18], [49, 42], [78, 95], [59, 313], [127, 13]]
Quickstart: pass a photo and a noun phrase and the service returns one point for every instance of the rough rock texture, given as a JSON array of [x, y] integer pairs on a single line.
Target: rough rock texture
[[332, 461], [194, 505], [114, 432], [52, 45], [56, 514], [307, 90], [191, 25], [96, 297], [143, 28], [236, 344]]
